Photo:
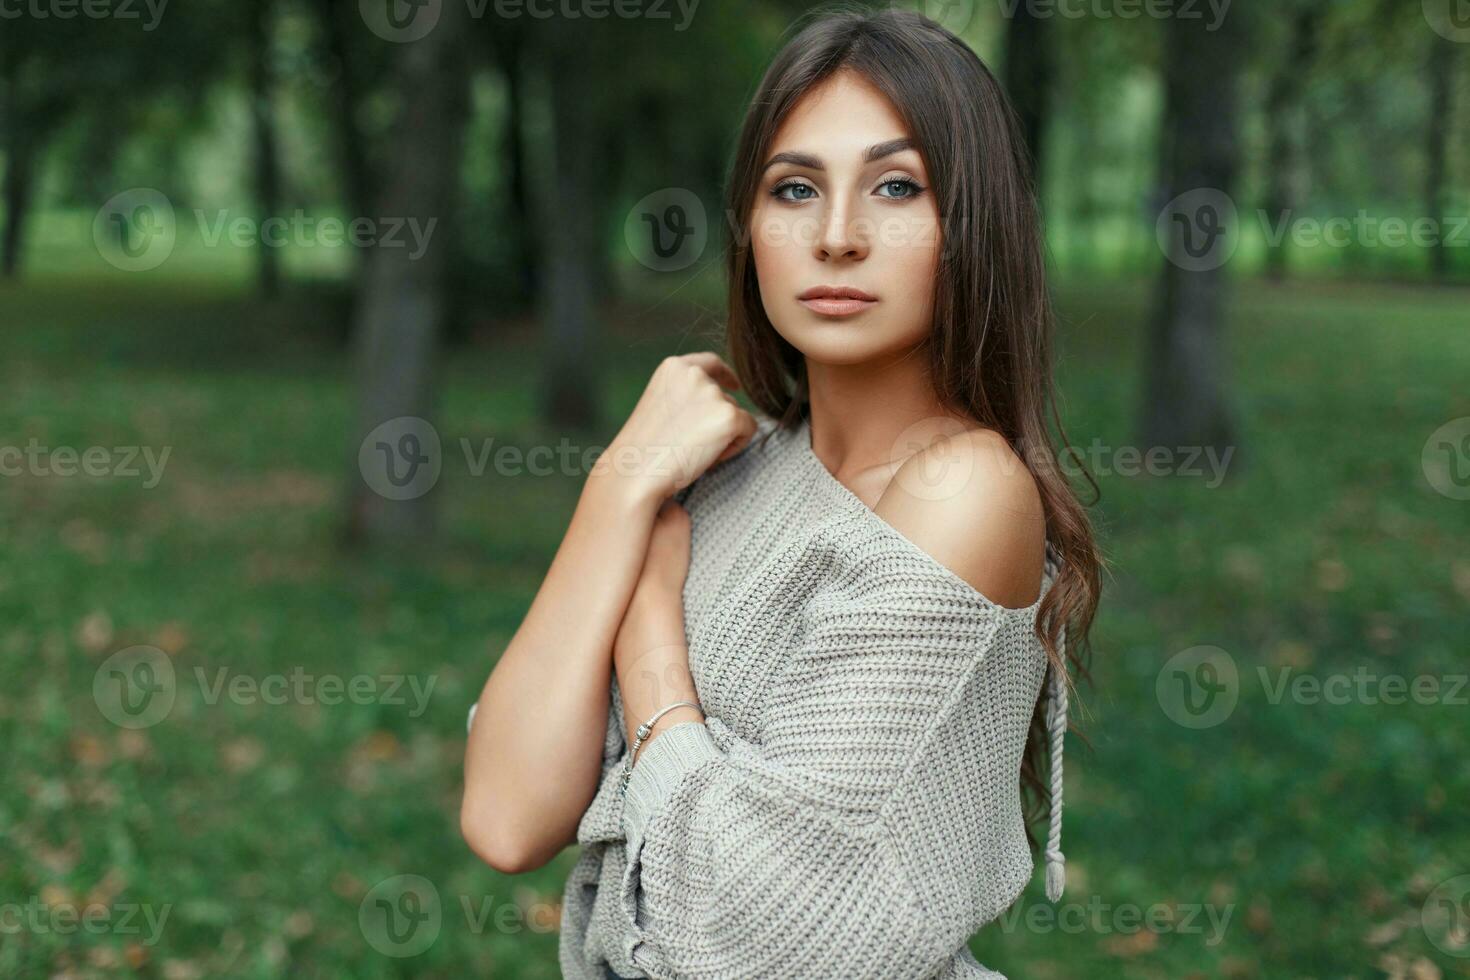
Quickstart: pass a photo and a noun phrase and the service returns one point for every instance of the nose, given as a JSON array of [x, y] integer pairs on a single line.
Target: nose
[[842, 236]]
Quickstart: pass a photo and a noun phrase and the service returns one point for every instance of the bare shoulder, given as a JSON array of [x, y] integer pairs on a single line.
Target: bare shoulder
[[970, 502]]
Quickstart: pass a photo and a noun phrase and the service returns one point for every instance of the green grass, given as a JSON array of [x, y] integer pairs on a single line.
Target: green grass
[[1319, 828]]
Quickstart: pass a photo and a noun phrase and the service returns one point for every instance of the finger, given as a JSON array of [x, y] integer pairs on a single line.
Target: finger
[[716, 368], [747, 431]]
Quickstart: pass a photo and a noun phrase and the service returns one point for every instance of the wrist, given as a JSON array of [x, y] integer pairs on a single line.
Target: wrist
[[634, 472], [631, 492], [681, 715]]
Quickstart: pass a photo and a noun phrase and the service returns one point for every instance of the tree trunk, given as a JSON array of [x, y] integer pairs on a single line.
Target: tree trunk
[[335, 16], [19, 186], [1185, 377], [267, 164], [1029, 77], [1285, 162], [401, 307], [1441, 115], [567, 285], [511, 54]]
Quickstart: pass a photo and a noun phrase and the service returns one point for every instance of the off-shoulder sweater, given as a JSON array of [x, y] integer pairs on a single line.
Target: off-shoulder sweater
[[850, 807]]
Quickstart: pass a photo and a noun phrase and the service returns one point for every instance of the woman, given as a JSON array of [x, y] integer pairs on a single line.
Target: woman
[[783, 679]]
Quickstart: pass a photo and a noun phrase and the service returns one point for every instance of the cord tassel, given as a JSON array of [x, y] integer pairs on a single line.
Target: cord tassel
[[1056, 862]]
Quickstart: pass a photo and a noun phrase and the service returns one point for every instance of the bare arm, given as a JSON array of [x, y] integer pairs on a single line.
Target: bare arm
[[533, 758], [543, 712], [651, 654]]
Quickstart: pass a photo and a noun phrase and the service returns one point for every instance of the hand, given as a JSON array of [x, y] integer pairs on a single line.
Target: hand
[[651, 654], [683, 424]]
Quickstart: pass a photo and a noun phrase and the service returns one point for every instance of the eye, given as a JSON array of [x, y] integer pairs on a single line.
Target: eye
[[900, 188], [806, 191]]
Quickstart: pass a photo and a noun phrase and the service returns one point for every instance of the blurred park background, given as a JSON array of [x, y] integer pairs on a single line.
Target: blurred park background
[[313, 310]]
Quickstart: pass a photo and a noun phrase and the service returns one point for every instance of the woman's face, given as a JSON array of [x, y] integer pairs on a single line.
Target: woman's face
[[844, 204]]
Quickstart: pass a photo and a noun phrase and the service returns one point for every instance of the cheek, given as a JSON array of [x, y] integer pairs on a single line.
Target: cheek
[[780, 240], [908, 263]]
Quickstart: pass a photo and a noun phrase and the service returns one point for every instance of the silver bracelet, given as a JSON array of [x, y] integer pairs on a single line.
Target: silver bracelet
[[641, 735]]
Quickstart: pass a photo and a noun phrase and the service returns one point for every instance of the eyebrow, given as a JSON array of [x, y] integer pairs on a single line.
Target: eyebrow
[[875, 152]]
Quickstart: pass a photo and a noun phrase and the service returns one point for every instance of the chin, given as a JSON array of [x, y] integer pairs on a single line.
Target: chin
[[843, 341]]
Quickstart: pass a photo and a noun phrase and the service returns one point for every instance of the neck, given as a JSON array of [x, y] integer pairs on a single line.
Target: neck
[[859, 411]]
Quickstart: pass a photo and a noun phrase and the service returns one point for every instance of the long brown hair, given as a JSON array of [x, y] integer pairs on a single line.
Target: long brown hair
[[991, 348]]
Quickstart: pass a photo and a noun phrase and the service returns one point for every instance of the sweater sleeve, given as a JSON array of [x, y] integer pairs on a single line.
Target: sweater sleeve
[[873, 827]]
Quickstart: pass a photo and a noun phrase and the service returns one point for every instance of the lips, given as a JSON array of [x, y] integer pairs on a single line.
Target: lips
[[837, 300]]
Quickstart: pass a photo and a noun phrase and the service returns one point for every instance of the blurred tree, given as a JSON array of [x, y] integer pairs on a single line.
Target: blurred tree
[[266, 162], [338, 22], [402, 305], [1441, 83], [1185, 394], [32, 107], [26, 131], [1028, 75], [1101, 137], [569, 214], [93, 86], [1286, 161], [511, 55]]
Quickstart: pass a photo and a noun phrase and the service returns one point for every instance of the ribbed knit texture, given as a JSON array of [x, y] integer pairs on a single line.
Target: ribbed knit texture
[[850, 808]]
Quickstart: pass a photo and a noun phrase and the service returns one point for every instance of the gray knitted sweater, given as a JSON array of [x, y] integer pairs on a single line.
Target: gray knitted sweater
[[851, 806]]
